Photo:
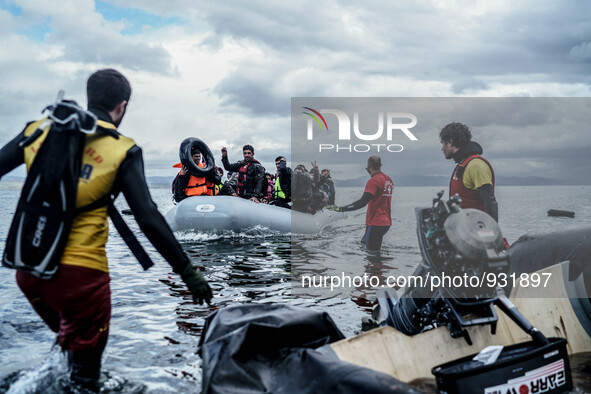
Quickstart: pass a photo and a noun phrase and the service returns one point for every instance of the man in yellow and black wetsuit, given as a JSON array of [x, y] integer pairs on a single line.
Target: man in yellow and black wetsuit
[[76, 302], [473, 179]]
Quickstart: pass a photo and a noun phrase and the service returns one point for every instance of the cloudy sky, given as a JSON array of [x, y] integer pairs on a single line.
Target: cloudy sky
[[225, 71]]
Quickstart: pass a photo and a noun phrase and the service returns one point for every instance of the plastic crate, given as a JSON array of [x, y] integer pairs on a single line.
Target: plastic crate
[[523, 368]]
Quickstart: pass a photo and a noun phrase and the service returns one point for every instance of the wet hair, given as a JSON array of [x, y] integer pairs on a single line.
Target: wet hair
[[248, 147], [374, 162], [106, 88], [278, 158], [457, 133]]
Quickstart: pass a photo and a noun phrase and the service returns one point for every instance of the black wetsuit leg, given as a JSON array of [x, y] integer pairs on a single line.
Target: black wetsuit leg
[[85, 365], [373, 236]]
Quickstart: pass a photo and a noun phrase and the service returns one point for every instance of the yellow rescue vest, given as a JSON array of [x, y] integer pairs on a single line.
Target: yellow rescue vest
[[277, 192], [101, 159]]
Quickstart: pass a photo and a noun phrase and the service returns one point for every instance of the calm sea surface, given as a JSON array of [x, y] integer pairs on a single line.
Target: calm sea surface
[[155, 327]]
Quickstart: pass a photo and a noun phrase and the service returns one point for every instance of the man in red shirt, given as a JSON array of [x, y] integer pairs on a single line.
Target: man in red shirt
[[378, 198]]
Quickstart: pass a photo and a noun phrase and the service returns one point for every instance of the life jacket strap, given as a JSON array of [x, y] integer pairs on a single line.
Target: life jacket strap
[[129, 238]]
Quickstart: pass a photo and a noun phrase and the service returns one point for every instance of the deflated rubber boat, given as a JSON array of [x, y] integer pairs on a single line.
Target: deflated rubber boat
[[212, 213]]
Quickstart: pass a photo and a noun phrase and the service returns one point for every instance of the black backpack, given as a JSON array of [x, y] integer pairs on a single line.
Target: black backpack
[[47, 206]]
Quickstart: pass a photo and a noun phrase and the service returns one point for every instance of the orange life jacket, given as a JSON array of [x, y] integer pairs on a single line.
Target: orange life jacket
[[198, 186]]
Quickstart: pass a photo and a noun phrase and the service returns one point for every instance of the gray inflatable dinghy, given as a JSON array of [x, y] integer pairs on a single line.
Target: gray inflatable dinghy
[[211, 213]]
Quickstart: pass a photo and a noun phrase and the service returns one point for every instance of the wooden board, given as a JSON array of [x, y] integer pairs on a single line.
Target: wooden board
[[408, 358]]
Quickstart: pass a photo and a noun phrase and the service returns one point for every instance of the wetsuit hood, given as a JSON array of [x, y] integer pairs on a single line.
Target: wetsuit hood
[[471, 148], [101, 114]]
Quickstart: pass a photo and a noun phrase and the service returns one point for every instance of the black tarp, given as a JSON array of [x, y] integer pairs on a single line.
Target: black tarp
[[256, 348]]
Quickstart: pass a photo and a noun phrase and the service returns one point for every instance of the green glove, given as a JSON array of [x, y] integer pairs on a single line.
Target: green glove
[[334, 208], [197, 284]]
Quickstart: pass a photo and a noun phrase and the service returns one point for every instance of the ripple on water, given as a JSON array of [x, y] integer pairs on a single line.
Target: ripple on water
[[155, 327]]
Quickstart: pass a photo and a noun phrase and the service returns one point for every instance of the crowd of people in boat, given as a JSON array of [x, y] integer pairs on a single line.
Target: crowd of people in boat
[[300, 189]]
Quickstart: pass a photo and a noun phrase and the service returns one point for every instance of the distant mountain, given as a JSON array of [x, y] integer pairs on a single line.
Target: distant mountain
[[16, 183], [407, 180], [533, 181], [423, 180]]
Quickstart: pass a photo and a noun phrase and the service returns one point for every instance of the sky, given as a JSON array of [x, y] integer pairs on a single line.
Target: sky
[[226, 71], [525, 138]]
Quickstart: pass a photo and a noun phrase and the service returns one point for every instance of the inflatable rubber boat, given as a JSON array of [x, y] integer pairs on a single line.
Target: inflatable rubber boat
[[212, 213]]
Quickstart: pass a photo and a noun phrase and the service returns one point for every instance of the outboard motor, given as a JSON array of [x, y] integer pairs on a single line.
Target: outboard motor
[[455, 285]]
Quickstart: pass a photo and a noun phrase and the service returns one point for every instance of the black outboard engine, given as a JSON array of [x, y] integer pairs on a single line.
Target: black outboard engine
[[456, 283]]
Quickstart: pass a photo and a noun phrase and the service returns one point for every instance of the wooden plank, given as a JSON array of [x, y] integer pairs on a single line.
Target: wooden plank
[[411, 357]]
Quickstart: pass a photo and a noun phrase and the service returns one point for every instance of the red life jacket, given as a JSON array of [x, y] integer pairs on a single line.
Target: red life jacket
[[241, 184], [198, 186], [470, 198]]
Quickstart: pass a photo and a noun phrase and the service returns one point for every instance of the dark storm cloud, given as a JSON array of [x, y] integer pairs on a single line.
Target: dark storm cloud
[[467, 84], [114, 50], [525, 43], [344, 46], [250, 94], [104, 45]]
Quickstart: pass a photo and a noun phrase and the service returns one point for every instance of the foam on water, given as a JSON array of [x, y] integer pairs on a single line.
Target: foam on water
[[211, 236], [48, 378]]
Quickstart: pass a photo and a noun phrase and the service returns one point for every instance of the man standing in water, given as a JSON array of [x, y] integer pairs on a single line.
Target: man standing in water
[[473, 179], [378, 198], [76, 302]]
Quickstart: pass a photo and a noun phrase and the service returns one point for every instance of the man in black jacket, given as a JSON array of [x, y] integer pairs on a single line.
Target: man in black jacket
[[282, 187], [306, 197], [326, 184], [251, 174]]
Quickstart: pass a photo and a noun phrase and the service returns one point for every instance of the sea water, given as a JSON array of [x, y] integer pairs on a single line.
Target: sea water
[[155, 327]]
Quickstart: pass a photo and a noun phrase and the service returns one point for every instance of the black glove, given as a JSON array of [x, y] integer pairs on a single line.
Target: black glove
[[197, 284]]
